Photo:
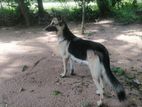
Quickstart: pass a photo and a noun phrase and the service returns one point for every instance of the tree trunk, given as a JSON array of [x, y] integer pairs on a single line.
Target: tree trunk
[[40, 7], [1, 4], [23, 11], [104, 7], [135, 3], [83, 17]]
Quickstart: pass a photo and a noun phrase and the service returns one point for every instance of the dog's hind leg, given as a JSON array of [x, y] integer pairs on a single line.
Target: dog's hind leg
[[101, 80], [95, 68], [102, 86], [99, 91], [65, 62], [71, 67]]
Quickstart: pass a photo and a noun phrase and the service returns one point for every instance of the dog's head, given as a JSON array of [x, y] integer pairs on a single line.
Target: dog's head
[[56, 24]]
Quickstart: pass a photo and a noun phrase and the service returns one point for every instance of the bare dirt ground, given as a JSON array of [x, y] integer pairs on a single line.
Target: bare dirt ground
[[30, 67]]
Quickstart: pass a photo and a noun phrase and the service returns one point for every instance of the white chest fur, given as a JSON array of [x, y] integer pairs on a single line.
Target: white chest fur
[[63, 50], [63, 47]]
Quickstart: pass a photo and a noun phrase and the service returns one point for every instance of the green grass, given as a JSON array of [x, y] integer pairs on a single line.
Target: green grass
[[118, 71], [8, 17], [121, 72], [6, 11], [56, 93]]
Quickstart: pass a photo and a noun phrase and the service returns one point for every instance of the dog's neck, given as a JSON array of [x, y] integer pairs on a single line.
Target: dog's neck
[[65, 34]]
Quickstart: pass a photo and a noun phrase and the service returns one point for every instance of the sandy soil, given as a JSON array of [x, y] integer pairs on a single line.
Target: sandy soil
[[30, 67]]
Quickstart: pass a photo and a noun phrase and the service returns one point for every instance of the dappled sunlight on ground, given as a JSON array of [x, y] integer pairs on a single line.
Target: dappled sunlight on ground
[[135, 32], [99, 40], [51, 37], [103, 22], [16, 53], [36, 51], [13, 47], [130, 39]]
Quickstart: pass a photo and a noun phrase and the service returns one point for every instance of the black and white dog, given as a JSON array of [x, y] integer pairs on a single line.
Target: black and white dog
[[94, 54]]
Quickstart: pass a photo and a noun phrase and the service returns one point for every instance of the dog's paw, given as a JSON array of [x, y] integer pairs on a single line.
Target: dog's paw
[[99, 103], [72, 73], [98, 92], [62, 75]]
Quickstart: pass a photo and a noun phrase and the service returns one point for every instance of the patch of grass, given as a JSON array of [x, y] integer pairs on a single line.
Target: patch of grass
[[56, 93], [118, 71], [121, 72], [130, 78]]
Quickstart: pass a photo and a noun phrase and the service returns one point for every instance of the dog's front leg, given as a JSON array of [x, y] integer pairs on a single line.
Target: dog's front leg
[[65, 61]]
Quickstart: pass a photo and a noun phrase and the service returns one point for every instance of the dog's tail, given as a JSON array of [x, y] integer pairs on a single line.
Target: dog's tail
[[113, 82]]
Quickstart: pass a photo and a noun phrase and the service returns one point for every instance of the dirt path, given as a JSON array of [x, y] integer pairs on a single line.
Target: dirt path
[[30, 67]]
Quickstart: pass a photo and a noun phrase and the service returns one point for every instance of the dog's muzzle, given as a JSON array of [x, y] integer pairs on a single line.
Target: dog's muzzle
[[51, 28]]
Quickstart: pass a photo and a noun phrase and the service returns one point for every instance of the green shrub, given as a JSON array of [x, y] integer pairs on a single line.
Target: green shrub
[[75, 14], [8, 17], [125, 14]]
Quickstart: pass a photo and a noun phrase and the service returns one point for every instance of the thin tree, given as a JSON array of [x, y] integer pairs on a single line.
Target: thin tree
[[40, 8], [83, 17], [104, 7], [23, 11]]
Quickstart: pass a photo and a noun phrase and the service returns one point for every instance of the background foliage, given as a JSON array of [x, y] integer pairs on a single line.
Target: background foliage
[[124, 11]]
